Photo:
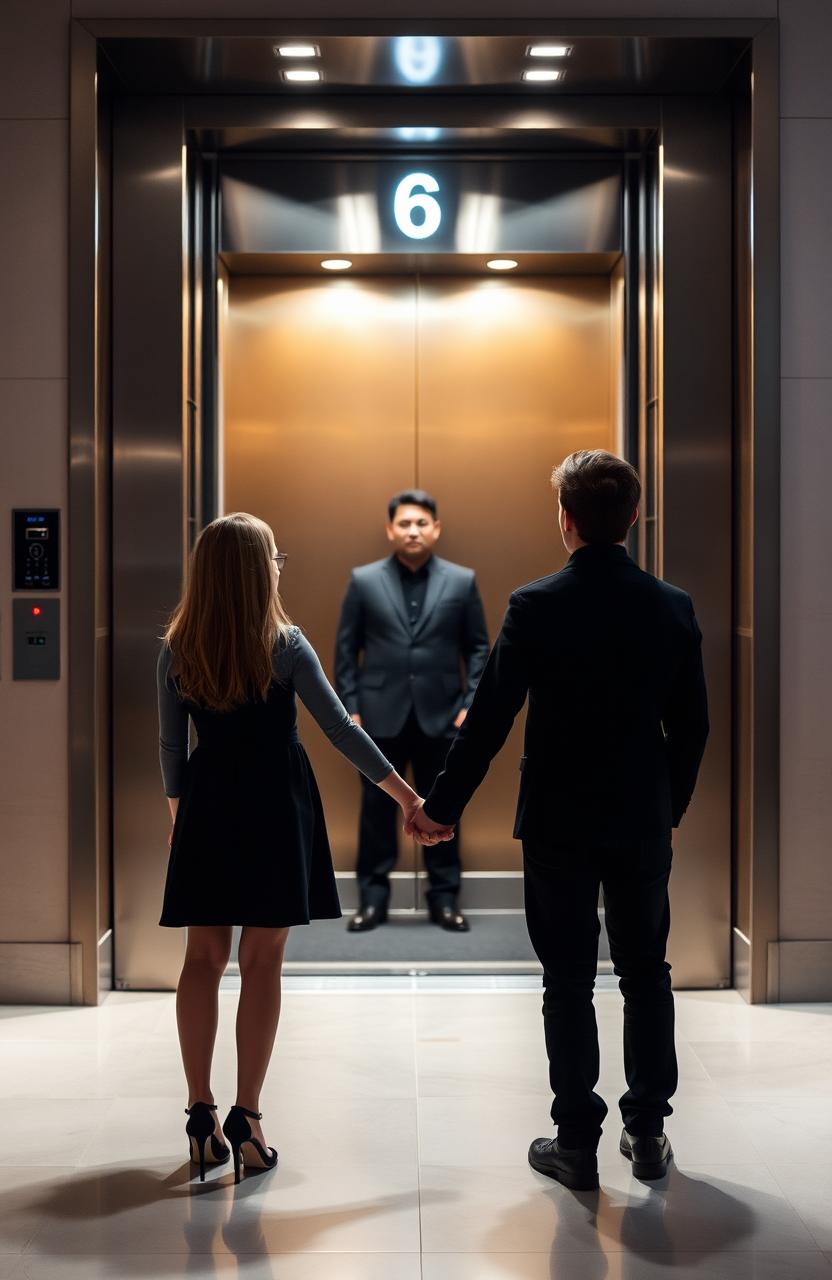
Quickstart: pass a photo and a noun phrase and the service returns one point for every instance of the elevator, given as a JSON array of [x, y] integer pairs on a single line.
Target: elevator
[[243, 376], [340, 392]]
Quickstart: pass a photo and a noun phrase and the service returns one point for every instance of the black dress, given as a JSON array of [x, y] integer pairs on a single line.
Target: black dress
[[249, 843]]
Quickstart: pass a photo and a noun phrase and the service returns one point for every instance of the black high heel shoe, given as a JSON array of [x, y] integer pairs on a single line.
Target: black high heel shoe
[[200, 1128], [238, 1132]]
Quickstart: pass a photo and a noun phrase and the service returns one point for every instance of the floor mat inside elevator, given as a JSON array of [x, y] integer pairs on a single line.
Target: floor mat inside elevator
[[495, 940]]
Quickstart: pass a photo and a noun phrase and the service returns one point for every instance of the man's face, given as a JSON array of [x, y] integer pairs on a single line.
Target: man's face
[[412, 532]]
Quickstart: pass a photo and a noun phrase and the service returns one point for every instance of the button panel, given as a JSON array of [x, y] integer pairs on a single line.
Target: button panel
[[37, 549]]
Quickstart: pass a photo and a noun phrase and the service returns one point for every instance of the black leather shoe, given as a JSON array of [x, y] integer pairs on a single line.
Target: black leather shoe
[[367, 917], [450, 918], [576, 1168], [650, 1156]]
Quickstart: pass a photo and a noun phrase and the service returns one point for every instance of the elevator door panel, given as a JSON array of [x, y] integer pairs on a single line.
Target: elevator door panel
[[513, 375], [338, 393], [319, 431]]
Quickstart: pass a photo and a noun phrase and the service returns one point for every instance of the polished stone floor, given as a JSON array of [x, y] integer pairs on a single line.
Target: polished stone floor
[[402, 1116]]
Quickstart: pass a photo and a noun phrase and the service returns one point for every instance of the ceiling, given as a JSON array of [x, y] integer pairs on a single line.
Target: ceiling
[[419, 64]]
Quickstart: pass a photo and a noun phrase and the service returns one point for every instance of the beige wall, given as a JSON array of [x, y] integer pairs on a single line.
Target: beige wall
[[33, 168], [34, 905], [804, 956]]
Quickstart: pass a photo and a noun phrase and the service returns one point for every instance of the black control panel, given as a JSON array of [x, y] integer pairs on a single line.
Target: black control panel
[[36, 538], [36, 630]]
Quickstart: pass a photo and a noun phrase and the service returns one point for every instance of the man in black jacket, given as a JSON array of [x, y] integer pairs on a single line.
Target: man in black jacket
[[414, 621], [610, 659]]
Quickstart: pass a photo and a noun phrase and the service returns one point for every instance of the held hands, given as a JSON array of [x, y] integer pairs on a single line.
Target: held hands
[[420, 827]]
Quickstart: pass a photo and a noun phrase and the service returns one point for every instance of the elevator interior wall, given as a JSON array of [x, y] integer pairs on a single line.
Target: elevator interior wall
[[341, 392]]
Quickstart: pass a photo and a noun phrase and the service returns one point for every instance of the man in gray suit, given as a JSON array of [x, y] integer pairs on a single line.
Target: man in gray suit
[[409, 625]]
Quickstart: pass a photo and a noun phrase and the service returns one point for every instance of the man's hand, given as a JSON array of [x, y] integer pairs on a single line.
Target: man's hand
[[356, 718], [460, 718], [424, 829]]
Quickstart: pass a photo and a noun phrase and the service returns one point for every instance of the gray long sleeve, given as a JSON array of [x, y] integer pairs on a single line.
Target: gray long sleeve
[[299, 662], [296, 665], [173, 727]]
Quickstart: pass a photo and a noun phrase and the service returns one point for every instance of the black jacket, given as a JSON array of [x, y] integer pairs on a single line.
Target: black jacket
[[404, 667], [611, 661]]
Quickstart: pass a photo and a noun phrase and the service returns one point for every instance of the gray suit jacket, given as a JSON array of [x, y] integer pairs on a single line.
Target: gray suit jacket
[[403, 667]]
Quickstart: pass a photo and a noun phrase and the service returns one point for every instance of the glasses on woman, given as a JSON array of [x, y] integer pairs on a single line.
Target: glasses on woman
[[279, 558]]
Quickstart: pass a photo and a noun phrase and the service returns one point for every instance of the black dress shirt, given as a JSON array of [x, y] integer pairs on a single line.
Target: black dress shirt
[[414, 588]]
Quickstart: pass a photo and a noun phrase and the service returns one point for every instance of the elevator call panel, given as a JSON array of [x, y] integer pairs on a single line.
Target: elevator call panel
[[37, 549], [36, 627]]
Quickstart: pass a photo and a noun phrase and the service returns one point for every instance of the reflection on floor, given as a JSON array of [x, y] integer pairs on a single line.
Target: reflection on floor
[[402, 1118]]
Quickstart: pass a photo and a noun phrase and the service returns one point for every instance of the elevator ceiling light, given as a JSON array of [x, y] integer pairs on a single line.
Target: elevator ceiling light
[[549, 50], [297, 51], [540, 74], [336, 264], [302, 75], [501, 264]]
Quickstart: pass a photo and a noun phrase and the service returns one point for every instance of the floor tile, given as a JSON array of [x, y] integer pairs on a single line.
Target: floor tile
[[135, 1209], [724, 1015], [597, 1266], [119, 1013], [346, 1133], [809, 1189], [48, 1131], [22, 1191], [448, 1068], [757, 1069], [206, 1266], [363, 1087], [344, 1070], [703, 1211], [788, 1130]]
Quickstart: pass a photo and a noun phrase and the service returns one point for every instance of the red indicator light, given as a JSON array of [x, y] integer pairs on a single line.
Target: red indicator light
[[36, 611]]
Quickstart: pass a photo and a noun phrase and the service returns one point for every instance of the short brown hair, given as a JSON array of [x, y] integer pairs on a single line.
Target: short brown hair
[[600, 491]]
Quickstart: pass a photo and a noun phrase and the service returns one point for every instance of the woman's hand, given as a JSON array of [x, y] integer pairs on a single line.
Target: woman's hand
[[424, 829], [411, 805]]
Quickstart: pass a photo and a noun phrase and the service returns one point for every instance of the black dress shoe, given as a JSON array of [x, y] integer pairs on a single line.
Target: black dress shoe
[[576, 1168], [367, 917], [450, 918], [650, 1156]]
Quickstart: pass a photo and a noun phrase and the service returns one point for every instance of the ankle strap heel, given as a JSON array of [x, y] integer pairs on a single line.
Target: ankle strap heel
[[199, 1129], [238, 1132]]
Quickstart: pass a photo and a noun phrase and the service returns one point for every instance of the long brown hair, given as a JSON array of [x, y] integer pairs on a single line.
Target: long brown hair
[[223, 632]]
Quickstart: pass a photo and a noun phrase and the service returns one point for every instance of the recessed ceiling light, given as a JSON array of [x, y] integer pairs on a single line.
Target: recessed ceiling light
[[540, 74], [297, 51], [302, 75], [336, 264], [502, 264], [549, 50]]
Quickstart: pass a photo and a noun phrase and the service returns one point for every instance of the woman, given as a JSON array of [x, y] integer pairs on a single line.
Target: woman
[[249, 844]]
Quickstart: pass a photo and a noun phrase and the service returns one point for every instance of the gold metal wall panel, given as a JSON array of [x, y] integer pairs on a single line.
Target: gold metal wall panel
[[337, 393], [513, 375], [319, 431]]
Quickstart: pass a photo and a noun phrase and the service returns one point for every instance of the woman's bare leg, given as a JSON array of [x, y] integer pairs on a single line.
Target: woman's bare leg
[[197, 1012], [261, 962]]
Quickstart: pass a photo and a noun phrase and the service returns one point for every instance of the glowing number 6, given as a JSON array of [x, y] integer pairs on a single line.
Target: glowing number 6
[[405, 202]]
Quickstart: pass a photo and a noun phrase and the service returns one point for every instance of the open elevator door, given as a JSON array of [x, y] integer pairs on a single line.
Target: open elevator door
[[416, 370], [160, 422]]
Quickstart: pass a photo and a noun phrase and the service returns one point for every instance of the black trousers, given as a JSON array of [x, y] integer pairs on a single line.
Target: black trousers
[[561, 886], [377, 838]]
